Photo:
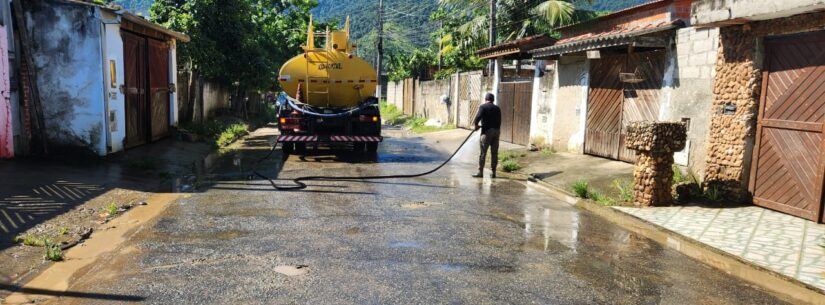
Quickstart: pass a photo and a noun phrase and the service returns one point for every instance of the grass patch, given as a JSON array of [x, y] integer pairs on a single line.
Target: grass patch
[[505, 156], [547, 151], [231, 133], [32, 240], [602, 199], [418, 125], [53, 252], [510, 165], [713, 194], [64, 231], [581, 188], [218, 133], [111, 209], [391, 114], [625, 189]]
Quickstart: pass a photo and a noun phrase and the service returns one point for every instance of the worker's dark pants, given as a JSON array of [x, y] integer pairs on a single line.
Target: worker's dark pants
[[489, 139]]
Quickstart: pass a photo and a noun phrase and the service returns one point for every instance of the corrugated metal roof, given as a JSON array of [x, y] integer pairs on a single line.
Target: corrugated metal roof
[[616, 37], [516, 46]]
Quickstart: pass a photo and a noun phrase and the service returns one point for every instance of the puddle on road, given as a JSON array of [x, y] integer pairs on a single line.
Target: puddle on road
[[419, 204], [250, 212], [405, 244], [219, 235], [450, 267], [290, 270]]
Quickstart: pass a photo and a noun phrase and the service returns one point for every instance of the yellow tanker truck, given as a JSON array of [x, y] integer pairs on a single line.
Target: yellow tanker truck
[[328, 96]]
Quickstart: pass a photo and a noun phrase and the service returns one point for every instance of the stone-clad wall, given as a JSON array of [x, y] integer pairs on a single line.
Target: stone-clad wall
[[738, 83]]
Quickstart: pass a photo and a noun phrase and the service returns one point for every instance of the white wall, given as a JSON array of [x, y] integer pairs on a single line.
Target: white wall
[[541, 127], [68, 59], [569, 103], [173, 78], [115, 99]]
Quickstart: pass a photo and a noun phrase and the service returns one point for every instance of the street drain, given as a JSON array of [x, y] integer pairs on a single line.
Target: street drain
[[289, 270]]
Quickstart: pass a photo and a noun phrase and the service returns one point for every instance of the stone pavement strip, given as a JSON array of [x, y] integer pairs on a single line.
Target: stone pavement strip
[[786, 244]]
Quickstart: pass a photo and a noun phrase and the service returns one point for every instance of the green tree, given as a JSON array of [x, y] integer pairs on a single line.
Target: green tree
[[237, 42]]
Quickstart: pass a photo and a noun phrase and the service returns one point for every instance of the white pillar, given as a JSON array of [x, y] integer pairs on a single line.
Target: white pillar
[[496, 78], [173, 79], [535, 100]]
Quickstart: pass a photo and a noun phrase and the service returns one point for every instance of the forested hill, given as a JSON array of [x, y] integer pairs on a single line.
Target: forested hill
[[609, 5], [407, 23]]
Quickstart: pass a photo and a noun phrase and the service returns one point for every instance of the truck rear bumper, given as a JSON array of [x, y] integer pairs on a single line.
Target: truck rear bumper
[[329, 139]]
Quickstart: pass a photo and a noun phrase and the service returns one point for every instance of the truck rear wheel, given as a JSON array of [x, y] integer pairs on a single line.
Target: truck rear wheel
[[287, 148], [301, 148], [372, 147], [358, 147]]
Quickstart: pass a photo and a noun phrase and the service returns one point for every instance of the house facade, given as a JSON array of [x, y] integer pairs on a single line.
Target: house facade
[[624, 67], [745, 76], [104, 78], [767, 116]]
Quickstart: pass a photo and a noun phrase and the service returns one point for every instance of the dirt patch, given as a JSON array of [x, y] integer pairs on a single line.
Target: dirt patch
[[18, 262], [77, 260]]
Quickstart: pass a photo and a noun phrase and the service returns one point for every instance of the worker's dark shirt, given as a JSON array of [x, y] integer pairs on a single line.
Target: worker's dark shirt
[[489, 115]]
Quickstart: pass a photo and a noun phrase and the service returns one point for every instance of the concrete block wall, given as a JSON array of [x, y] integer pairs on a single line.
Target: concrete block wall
[[428, 100], [688, 89], [395, 94]]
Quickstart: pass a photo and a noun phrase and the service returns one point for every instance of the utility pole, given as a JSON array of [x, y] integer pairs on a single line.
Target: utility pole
[[380, 49], [441, 45], [492, 32]]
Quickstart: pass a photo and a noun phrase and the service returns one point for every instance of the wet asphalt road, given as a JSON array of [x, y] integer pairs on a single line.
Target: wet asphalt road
[[442, 239]]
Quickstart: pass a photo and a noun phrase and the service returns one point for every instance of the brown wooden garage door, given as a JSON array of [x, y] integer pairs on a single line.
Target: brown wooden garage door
[[612, 105], [134, 55], [159, 88], [641, 100], [604, 108], [515, 101], [787, 172]]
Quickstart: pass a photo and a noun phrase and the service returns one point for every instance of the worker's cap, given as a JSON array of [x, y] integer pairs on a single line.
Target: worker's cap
[[489, 97]]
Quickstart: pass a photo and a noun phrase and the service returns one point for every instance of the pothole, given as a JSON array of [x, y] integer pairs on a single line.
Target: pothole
[[292, 270]]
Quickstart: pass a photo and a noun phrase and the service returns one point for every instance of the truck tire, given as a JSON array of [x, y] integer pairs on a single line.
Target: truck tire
[[358, 147], [287, 148], [372, 147]]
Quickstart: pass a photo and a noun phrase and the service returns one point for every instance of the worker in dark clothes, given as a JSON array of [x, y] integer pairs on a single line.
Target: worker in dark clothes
[[489, 115]]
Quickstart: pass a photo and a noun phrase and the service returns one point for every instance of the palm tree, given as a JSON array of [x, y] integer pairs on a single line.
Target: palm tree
[[516, 18]]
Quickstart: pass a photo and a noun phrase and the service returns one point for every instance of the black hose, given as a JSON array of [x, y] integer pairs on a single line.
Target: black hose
[[299, 185]]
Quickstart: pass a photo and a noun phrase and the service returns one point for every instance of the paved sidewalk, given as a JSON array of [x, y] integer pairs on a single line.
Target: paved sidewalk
[[784, 244]]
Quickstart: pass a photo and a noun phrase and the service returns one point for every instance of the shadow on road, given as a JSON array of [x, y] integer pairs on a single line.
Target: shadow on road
[[73, 294]]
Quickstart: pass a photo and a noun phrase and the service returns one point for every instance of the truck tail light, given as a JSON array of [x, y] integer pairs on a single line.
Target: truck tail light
[[369, 118]]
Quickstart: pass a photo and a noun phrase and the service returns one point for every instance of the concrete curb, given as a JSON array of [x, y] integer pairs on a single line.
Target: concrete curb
[[785, 287]]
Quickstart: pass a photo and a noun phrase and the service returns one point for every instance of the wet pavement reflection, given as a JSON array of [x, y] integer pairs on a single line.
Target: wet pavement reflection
[[441, 239]]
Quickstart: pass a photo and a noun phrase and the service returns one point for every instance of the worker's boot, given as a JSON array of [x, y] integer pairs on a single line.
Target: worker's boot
[[494, 175], [480, 174]]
